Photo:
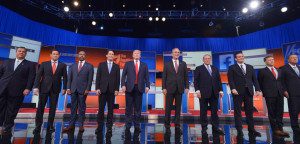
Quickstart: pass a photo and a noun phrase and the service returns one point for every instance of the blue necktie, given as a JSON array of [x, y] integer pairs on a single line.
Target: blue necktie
[[109, 67]]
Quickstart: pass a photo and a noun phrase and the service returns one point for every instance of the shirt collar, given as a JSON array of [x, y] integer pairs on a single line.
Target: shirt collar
[[293, 65], [19, 60], [82, 61], [109, 61], [53, 61]]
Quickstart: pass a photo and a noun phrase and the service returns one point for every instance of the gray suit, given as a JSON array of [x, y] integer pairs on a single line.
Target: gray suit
[[78, 83]]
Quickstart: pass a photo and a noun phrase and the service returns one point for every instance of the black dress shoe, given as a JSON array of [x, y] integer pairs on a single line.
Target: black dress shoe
[[256, 133], [37, 131], [137, 130], [219, 131]]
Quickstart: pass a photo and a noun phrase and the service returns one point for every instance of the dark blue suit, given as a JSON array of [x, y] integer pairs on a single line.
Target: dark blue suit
[[12, 84], [78, 83], [134, 92]]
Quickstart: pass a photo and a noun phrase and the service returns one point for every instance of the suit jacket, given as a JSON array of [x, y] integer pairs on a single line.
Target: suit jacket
[[46, 81], [172, 80], [106, 81], [269, 85], [207, 84], [16, 80], [237, 80], [128, 76], [290, 81], [80, 80]]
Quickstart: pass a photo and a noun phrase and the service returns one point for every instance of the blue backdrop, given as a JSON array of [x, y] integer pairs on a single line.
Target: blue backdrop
[[15, 24]]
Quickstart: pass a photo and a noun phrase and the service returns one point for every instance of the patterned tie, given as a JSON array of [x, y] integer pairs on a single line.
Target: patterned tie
[[209, 70], [109, 67], [54, 67], [136, 72], [80, 66], [243, 70], [273, 72], [176, 66]]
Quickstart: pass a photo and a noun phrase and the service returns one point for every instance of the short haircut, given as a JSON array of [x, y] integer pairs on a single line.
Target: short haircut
[[53, 50], [109, 50], [174, 49], [292, 55], [21, 48], [136, 50], [237, 53], [206, 55], [268, 56]]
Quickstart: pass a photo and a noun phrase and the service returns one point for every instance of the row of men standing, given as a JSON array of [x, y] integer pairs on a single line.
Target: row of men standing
[[19, 76]]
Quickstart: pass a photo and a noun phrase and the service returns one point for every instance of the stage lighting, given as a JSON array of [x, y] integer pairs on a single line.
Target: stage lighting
[[66, 9], [149, 6], [163, 19], [224, 9], [90, 5], [102, 27], [156, 19], [156, 9], [94, 23], [150, 18], [62, 1], [284, 9], [254, 4], [110, 14], [76, 3], [245, 10], [124, 5], [174, 5], [210, 23]]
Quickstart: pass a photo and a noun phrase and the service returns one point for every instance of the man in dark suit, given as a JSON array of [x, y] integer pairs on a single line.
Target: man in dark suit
[[16, 81], [291, 87], [135, 82], [107, 88], [80, 78], [269, 79], [242, 78], [208, 87], [48, 84], [174, 83]]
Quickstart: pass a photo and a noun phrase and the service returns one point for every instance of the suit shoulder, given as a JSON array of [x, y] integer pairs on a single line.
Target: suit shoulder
[[231, 67]]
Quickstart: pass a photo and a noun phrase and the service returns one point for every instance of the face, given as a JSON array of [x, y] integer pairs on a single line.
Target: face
[[240, 58], [21, 53], [270, 61], [136, 55], [81, 55], [293, 59], [207, 60], [54, 55], [110, 56], [175, 53]]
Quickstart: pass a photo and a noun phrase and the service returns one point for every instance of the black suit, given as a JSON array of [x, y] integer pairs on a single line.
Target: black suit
[[273, 92], [291, 84], [174, 83], [244, 86], [12, 84], [209, 86], [108, 83], [134, 90], [49, 85]]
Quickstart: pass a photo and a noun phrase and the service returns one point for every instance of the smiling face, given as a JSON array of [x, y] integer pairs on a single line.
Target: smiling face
[[240, 58], [207, 59], [21, 53], [81, 55], [293, 59], [54, 55], [270, 61], [110, 55], [175, 53], [136, 54]]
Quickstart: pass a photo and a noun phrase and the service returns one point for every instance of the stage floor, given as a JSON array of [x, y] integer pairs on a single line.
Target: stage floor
[[151, 132]]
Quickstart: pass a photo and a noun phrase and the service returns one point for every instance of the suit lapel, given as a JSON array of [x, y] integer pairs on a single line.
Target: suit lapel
[[204, 67], [269, 72], [83, 67], [173, 66], [293, 71], [238, 69]]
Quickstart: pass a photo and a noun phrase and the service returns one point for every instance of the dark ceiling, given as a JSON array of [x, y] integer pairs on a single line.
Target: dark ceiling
[[170, 28]]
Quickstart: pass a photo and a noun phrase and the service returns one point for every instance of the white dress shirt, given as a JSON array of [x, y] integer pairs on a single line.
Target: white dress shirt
[[17, 63]]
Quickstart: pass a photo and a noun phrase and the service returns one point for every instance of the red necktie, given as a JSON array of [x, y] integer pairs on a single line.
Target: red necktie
[[53, 67], [80, 66], [136, 72], [273, 72], [176, 66]]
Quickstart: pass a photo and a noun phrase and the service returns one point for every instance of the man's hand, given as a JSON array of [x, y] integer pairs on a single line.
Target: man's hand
[[146, 90], [26, 92], [68, 91], [36, 91], [198, 94], [63, 92], [234, 92], [98, 92], [221, 94], [116, 93], [186, 91], [86, 92], [286, 94], [164, 92], [124, 88]]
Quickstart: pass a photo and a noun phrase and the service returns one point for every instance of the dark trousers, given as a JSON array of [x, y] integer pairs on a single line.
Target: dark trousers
[[294, 110], [9, 107], [43, 98], [247, 98], [133, 104], [104, 98], [77, 103], [213, 102], [169, 103], [275, 111]]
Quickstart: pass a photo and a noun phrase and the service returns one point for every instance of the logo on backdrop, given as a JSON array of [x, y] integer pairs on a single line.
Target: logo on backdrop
[[225, 61], [291, 48]]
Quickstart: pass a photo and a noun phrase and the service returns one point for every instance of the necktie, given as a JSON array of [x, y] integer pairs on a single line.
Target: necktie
[[243, 70], [296, 70], [176, 66], [136, 72], [209, 70], [109, 67], [80, 66], [16, 64], [273, 72], [53, 67]]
